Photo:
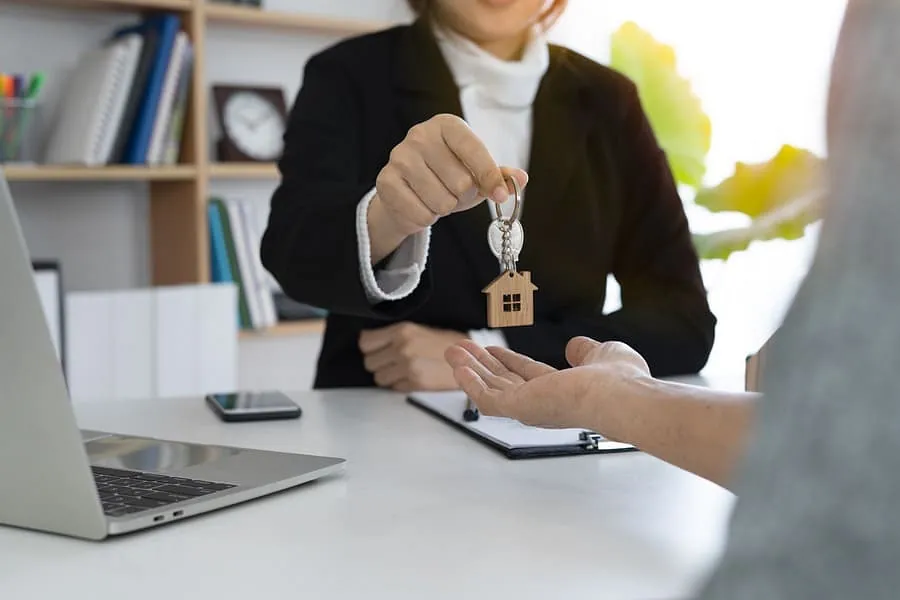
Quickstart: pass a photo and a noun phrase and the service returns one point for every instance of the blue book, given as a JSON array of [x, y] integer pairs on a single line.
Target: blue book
[[220, 268], [163, 27], [232, 261]]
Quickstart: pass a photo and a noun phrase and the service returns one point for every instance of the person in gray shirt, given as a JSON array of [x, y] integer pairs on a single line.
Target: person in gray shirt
[[812, 459]]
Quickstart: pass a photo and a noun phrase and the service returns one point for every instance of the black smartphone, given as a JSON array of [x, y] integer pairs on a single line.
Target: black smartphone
[[253, 406]]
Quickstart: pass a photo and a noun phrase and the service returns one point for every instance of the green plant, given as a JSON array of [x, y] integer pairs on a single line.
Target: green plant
[[781, 196]]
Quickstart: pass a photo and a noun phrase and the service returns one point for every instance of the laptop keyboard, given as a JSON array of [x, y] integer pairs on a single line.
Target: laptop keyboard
[[127, 492]]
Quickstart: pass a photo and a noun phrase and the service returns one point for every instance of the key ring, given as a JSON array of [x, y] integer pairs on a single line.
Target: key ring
[[517, 206]]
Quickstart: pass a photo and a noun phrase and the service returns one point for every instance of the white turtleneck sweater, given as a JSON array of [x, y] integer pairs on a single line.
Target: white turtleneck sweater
[[496, 98]]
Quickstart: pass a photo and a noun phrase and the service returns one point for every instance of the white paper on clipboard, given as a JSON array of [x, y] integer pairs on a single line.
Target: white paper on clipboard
[[508, 433]]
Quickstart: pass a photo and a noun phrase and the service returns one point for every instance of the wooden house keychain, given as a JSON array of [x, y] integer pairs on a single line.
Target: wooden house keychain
[[510, 297]]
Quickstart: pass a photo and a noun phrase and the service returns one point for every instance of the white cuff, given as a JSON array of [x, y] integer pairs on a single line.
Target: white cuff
[[402, 272], [488, 337]]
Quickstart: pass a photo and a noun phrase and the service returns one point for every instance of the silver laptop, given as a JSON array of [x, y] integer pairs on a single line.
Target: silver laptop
[[91, 485]]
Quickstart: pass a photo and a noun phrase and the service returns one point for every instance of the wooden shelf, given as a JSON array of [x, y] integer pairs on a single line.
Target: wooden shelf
[[243, 15], [107, 173], [243, 171], [134, 5], [309, 327]]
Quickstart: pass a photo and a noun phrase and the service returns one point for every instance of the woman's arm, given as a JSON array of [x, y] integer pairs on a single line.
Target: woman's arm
[[333, 231], [665, 315], [311, 244]]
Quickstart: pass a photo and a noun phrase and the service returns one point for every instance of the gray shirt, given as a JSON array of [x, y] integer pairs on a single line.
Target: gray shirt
[[818, 514]]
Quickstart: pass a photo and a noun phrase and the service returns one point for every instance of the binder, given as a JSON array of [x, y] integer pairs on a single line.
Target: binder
[[114, 94], [511, 438], [146, 60], [94, 103]]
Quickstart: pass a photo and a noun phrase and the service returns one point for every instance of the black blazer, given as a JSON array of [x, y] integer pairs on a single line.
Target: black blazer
[[600, 200]]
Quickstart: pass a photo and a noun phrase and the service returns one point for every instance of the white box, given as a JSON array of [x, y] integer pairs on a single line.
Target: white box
[[159, 342], [132, 344], [89, 346]]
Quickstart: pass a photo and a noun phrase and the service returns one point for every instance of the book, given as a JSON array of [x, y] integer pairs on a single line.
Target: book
[[235, 237], [218, 205], [244, 263], [253, 240], [175, 131], [167, 99]]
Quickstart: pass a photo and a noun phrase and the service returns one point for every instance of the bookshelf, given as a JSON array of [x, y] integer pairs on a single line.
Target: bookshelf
[[179, 245]]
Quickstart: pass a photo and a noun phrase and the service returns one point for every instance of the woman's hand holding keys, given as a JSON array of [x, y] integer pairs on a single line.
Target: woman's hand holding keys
[[440, 168]]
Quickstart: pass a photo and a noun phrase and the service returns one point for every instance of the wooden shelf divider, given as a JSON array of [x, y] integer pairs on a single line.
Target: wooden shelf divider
[[248, 16], [133, 5], [292, 328], [104, 173], [243, 171]]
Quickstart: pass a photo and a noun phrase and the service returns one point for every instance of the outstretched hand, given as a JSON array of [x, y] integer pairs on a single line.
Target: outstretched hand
[[504, 383]]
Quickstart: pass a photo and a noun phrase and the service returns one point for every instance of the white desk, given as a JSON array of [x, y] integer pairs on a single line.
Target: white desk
[[422, 511]]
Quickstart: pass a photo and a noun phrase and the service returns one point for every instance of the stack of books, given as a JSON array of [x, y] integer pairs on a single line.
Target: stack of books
[[235, 235], [126, 100]]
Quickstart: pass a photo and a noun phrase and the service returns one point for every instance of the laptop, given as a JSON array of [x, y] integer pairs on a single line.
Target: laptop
[[90, 484]]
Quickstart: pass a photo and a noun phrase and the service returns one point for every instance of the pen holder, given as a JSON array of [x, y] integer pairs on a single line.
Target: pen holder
[[19, 127]]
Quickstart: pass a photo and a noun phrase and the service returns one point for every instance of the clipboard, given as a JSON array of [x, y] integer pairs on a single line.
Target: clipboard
[[511, 438]]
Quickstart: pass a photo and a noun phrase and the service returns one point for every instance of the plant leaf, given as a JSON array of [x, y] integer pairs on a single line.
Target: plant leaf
[[682, 128], [788, 221], [757, 189]]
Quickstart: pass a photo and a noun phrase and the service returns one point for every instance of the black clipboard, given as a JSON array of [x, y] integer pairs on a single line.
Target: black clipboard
[[449, 407]]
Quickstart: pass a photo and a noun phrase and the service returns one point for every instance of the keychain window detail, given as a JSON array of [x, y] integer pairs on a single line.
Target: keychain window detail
[[512, 302]]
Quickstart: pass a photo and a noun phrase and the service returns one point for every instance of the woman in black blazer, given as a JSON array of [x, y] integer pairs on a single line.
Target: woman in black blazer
[[380, 216]]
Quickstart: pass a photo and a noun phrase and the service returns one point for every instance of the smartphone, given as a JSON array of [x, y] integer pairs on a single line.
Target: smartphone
[[253, 406]]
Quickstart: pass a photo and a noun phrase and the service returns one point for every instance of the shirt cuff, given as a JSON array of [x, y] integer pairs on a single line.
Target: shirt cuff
[[488, 337], [402, 272]]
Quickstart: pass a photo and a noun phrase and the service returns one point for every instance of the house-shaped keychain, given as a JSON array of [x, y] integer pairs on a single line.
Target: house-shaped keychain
[[510, 300]]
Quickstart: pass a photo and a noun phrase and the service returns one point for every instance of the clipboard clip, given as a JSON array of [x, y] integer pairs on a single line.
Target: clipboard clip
[[590, 440]]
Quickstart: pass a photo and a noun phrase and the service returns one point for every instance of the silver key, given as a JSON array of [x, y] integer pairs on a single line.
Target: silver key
[[506, 236], [516, 238]]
